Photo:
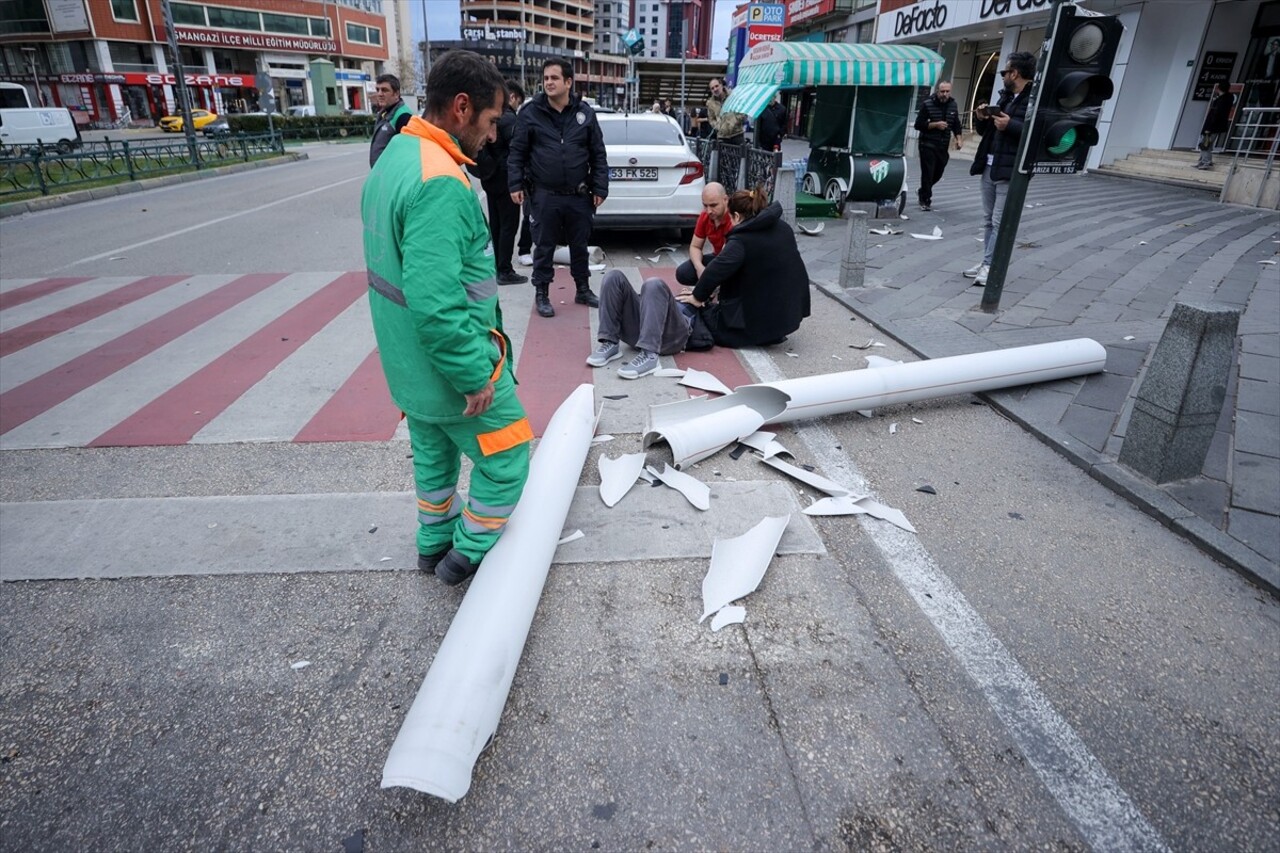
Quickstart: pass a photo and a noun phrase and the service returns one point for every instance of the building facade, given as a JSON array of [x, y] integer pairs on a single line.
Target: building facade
[[1172, 53], [108, 60], [670, 27], [519, 35]]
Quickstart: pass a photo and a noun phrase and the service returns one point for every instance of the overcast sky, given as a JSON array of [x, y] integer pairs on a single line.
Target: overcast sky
[[443, 20]]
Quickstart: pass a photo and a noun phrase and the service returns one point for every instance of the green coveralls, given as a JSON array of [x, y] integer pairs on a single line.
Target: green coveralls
[[434, 300]]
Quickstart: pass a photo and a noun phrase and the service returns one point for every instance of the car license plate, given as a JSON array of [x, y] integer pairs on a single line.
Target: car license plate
[[633, 173]]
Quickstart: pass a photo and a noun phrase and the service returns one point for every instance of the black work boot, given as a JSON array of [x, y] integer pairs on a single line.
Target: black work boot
[[585, 297], [542, 302], [455, 568]]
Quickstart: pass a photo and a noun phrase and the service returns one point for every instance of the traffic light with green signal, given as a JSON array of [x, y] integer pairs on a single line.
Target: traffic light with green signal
[[1072, 86]]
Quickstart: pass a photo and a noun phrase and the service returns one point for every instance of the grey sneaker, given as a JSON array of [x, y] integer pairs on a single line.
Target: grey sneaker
[[642, 365], [980, 280], [605, 353], [525, 260], [972, 272]]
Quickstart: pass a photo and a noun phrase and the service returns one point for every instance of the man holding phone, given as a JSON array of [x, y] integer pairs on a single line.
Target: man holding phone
[[1001, 129], [939, 125]]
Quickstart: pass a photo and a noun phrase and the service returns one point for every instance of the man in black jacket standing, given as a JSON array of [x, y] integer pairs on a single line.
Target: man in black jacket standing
[[939, 125], [558, 152], [504, 214], [997, 157]]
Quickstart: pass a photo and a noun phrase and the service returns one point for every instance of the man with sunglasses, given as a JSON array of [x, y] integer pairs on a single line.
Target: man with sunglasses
[[1001, 129]]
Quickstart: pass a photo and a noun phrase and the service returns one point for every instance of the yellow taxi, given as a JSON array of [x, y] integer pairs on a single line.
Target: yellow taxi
[[199, 118]]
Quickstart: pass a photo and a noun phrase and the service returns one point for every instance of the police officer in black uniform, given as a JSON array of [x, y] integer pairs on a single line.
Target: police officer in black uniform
[[558, 152]]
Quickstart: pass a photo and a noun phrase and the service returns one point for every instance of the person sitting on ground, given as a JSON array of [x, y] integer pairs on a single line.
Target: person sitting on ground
[[759, 279], [712, 227]]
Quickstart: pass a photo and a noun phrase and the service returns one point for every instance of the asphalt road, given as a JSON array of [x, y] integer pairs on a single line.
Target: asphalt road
[[1041, 666]]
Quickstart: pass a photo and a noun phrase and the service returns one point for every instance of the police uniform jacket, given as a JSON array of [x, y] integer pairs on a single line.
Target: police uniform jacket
[[558, 151]]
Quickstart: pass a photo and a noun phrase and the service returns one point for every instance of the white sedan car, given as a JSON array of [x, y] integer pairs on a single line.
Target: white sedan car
[[655, 179]]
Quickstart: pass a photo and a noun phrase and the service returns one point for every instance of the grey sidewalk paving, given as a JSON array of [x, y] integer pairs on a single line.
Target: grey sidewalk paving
[[1104, 258]]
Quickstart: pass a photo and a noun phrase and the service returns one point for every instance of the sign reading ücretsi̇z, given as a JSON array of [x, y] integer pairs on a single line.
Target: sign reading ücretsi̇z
[[258, 41]]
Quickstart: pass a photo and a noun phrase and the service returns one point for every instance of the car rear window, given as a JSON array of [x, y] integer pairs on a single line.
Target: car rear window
[[626, 132]]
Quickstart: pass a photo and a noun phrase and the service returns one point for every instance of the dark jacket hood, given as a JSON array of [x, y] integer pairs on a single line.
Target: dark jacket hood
[[763, 220]]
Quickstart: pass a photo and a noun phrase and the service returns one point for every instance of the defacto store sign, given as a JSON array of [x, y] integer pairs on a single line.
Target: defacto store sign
[[254, 41], [929, 17]]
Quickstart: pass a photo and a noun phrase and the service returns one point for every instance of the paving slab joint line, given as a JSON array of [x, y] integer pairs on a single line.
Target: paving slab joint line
[[776, 725], [1142, 494]]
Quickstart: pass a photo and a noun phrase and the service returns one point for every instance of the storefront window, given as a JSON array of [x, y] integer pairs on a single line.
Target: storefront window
[[188, 13]]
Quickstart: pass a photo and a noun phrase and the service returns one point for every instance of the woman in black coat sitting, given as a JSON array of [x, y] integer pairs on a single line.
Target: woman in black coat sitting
[[762, 281]]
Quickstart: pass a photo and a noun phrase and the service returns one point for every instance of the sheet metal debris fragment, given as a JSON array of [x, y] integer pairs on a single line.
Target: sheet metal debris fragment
[[765, 442], [669, 372], [731, 614], [893, 428], [936, 234], [457, 709], [703, 381], [927, 489], [697, 438], [809, 478], [849, 505], [601, 439], [617, 476], [695, 491], [817, 229], [738, 565], [571, 537], [880, 361]]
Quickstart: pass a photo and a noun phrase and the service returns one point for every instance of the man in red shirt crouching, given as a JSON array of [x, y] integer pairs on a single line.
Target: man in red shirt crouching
[[713, 227]]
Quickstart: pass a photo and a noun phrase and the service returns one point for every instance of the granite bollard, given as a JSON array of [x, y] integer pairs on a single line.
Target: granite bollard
[[1180, 400]]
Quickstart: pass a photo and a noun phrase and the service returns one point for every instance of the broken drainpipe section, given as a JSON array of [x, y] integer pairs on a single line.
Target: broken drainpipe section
[[700, 426], [456, 711]]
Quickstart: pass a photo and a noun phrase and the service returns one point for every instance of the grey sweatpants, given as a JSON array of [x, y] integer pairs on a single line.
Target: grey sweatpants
[[651, 320]]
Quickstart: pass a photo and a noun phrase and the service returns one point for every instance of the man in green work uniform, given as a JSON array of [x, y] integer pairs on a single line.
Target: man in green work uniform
[[434, 300]]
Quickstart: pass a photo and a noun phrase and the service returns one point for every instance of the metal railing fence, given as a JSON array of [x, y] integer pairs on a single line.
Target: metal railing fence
[[38, 171]]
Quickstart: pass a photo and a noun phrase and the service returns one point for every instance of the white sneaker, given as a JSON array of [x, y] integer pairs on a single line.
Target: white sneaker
[[526, 260], [972, 272], [981, 278]]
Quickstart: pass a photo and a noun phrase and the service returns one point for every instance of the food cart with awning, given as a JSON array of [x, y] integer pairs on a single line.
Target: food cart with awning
[[861, 110]]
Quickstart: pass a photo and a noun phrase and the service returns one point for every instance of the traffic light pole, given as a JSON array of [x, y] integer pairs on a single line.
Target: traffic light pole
[[1015, 199]]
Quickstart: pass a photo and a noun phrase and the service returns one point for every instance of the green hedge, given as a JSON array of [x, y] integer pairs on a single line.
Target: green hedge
[[355, 125]]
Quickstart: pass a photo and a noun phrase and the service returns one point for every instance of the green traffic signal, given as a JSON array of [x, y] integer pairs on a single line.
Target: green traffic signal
[[1064, 144]]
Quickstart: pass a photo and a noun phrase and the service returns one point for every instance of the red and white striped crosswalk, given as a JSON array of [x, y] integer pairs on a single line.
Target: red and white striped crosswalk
[[266, 357]]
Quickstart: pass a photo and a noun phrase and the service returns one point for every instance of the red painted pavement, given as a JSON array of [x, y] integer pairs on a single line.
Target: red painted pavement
[[38, 395], [35, 290], [552, 362], [361, 410], [27, 334], [177, 415]]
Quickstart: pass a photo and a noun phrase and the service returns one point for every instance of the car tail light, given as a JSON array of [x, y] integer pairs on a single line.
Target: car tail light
[[692, 171]]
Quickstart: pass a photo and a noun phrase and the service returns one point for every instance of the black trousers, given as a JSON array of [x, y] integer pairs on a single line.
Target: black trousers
[[561, 219], [525, 246], [504, 219], [933, 160]]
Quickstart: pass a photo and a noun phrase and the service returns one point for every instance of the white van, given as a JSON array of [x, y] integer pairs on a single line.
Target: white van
[[52, 127]]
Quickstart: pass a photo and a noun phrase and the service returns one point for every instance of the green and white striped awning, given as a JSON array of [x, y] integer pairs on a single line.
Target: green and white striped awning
[[785, 64], [751, 98]]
